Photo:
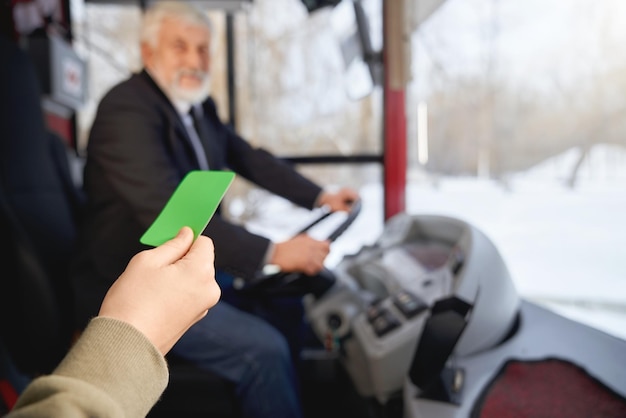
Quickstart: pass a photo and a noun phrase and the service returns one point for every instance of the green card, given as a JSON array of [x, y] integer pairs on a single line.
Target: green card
[[192, 204]]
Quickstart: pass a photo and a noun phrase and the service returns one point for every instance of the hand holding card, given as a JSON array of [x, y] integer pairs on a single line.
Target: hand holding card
[[192, 204]]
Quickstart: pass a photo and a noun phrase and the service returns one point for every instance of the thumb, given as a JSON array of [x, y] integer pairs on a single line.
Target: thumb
[[174, 249], [202, 249]]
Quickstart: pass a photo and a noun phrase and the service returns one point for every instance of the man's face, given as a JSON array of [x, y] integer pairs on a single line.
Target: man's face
[[181, 60]]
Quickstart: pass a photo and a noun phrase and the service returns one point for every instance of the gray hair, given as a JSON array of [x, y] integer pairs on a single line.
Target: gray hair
[[155, 14]]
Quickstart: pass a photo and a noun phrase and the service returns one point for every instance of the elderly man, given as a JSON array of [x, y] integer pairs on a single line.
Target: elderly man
[[149, 132]]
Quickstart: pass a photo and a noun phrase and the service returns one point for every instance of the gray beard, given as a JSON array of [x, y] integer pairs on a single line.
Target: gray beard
[[176, 93], [191, 96]]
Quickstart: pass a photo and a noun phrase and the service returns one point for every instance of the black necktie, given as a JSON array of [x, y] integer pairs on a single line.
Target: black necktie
[[196, 142]]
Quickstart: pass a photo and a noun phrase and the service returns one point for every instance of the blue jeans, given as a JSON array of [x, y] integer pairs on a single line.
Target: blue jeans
[[245, 349]]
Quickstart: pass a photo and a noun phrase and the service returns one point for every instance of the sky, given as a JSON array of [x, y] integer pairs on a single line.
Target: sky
[[531, 43]]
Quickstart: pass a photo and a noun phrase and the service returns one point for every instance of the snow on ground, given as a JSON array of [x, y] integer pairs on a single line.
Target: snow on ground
[[565, 248]]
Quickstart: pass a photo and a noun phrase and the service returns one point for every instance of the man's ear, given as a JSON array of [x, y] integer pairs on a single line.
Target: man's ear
[[147, 54]]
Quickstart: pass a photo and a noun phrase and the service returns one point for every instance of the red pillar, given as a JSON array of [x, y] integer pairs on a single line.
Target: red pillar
[[395, 161], [394, 136]]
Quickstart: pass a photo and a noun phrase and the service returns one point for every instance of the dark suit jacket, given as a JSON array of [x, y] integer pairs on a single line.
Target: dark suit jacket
[[137, 154]]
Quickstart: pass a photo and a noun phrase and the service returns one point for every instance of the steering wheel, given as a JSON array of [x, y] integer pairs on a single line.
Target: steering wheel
[[296, 283]]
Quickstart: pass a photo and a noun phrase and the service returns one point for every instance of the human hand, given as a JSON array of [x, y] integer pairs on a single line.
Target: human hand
[[165, 290], [341, 200], [301, 253]]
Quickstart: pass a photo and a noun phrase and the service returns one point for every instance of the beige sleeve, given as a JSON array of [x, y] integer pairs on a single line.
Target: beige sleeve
[[113, 370]]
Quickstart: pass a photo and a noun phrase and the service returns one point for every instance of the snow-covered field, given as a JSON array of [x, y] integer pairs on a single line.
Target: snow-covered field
[[565, 248]]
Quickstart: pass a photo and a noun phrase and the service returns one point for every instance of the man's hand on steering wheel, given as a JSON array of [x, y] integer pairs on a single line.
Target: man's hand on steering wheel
[[301, 253], [296, 266], [340, 200]]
